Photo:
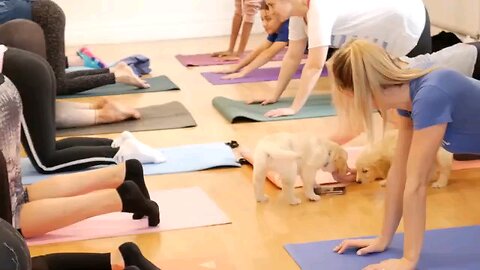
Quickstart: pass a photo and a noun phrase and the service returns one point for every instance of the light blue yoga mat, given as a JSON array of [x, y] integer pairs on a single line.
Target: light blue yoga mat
[[186, 158], [447, 249]]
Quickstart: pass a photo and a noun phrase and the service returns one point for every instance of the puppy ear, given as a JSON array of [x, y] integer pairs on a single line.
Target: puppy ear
[[383, 165], [341, 157]]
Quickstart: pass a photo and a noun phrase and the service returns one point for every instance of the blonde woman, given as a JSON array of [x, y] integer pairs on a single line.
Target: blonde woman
[[401, 27], [462, 57], [438, 108]]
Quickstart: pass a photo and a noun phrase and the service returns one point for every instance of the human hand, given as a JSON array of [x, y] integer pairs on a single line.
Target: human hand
[[228, 70], [364, 246], [280, 112], [351, 176], [222, 53], [234, 76], [229, 58], [392, 264], [263, 100]]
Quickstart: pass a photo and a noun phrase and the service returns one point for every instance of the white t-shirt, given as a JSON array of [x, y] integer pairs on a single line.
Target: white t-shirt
[[460, 57], [395, 25]]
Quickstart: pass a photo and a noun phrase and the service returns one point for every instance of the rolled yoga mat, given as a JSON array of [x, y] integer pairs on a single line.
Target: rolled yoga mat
[[206, 59], [157, 84], [236, 111], [258, 75], [447, 249], [180, 159], [166, 116], [179, 209]]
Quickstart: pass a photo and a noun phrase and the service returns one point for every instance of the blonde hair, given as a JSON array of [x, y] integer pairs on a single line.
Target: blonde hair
[[364, 69]]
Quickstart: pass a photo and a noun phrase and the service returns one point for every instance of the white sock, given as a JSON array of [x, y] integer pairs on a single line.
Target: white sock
[[134, 149], [117, 142]]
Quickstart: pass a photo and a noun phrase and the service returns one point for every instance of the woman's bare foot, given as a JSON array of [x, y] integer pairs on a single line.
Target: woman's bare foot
[[113, 112], [124, 74]]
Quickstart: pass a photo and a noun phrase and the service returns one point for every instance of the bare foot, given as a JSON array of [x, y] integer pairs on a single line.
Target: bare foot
[[124, 74], [114, 112]]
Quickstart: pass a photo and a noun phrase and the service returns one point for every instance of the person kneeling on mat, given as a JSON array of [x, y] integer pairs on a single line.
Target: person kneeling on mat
[[33, 78]]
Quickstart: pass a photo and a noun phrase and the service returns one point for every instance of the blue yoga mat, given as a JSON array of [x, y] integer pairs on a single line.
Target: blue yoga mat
[[186, 158], [447, 249]]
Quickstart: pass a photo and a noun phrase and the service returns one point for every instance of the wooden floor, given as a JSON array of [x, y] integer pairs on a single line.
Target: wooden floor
[[258, 232]]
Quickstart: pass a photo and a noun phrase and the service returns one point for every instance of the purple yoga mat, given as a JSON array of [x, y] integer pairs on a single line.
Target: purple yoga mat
[[447, 249], [198, 60], [259, 75]]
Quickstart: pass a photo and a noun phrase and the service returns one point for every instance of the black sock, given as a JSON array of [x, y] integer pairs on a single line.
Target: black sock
[[134, 172], [131, 196], [134, 202], [131, 267], [133, 256]]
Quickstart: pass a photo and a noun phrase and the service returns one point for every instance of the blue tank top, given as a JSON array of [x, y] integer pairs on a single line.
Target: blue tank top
[[15, 9], [446, 96]]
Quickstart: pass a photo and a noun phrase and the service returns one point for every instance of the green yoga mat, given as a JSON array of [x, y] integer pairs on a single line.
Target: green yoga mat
[[160, 83], [166, 116], [237, 111]]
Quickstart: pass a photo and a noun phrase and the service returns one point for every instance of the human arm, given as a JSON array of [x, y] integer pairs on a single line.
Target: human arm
[[260, 60], [249, 58], [310, 75], [290, 64], [393, 198]]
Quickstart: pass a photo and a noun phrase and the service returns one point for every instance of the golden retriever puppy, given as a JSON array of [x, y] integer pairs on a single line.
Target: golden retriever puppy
[[374, 162], [292, 154]]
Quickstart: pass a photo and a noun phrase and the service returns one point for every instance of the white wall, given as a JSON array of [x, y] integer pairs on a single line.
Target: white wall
[[460, 16], [115, 21]]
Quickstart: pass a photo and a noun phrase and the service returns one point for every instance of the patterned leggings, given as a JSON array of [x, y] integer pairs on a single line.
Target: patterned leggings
[[51, 19]]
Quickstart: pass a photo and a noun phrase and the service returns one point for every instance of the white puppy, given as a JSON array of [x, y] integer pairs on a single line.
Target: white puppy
[[290, 155]]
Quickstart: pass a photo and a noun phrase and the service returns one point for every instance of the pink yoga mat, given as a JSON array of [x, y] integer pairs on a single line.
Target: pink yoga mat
[[198, 60], [322, 177], [179, 209], [258, 75]]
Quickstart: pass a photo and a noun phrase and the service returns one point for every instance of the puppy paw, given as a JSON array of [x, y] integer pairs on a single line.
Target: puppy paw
[[313, 197], [439, 184], [262, 199], [295, 201], [383, 183]]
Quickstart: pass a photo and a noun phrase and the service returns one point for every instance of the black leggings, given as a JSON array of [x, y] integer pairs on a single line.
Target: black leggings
[[424, 44], [72, 261], [51, 19], [45, 36], [35, 81]]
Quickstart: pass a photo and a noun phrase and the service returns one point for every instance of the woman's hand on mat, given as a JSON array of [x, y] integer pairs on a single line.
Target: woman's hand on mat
[[222, 53], [280, 112], [393, 264], [228, 70], [364, 246], [350, 176], [234, 76], [229, 58], [263, 101]]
